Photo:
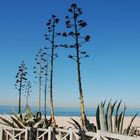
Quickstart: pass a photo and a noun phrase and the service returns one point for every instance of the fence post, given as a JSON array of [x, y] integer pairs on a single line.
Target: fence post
[[49, 133], [60, 136], [71, 134], [26, 133], [98, 135]]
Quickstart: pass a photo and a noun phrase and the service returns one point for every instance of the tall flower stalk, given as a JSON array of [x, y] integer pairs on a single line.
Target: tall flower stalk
[[28, 91], [50, 36], [20, 82], [76, 25], [46, 86], [38, 70]]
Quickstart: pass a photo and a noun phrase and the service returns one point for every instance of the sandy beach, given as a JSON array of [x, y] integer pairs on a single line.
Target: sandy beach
[[64, 121]]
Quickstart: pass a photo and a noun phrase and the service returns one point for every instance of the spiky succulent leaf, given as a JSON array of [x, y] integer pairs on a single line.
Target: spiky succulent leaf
[[122, 121], [7, 121], [119, 121], [98, 118], [129, 126], [18, 123], [109, 117], [76, 123], [28, 112], [116, 117], [102, 118], [73, 125]]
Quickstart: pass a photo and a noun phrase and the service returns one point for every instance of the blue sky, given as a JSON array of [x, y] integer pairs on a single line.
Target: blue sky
[[111, 72]]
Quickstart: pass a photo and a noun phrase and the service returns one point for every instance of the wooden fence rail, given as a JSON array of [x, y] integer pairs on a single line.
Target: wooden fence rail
[[8, 133]]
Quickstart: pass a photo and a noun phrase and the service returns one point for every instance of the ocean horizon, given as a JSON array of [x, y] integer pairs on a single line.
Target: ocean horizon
[[63, 111]]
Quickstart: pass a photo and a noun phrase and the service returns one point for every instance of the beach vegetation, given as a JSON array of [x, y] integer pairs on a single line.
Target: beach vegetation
[[28, 92], [26, 119], [46, 70], [50, 36], [21, 78], [111, 119], [39, 73], [74, 26]]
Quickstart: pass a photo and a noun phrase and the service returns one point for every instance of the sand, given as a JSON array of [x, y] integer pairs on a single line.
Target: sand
[[64, 121]]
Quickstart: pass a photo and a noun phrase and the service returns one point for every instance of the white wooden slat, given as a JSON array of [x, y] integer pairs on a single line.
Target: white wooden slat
[[9, 134], [12, 133]]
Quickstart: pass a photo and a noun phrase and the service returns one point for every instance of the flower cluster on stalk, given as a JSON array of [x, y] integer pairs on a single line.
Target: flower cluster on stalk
[[21, 78], [75, 25]]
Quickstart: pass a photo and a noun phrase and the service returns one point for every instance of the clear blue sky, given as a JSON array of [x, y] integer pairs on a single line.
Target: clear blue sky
[[112, 71]]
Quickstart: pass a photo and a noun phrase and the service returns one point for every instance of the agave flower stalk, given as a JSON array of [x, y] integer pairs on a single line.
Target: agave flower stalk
[[73, 22], [50, 36], [20, 82], [45, 90], [38, 70], [28, 91]]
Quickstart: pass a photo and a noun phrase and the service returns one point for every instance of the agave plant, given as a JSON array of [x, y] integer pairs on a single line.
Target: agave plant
[[26, 119], [81, 131], [89, 126], [115, 124], [108, 118]]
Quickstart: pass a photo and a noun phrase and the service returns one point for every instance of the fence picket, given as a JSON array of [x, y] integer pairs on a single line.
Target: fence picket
[[7, 133]]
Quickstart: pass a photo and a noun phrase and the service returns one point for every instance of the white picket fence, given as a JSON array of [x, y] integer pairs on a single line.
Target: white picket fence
[[8, 133]]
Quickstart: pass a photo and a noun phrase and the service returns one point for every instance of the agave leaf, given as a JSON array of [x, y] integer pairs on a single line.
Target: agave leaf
[[18, 123], [129, 126], [73, 124], [109, 117], [28, 112], [104, 103], [106, 114], [7, 121], [15, 114], [76, 123], [19, 119], [122, 121], [119, 121], [116, 117], [102, 118], [113, 106], [98, 118]]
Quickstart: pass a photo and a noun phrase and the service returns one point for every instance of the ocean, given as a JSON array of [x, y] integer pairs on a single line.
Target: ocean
[[63, 111]]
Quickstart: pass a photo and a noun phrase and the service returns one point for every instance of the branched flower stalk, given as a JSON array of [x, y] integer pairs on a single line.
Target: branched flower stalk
[[20, 82], [38, 70], [50, 36], [76, 25]]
